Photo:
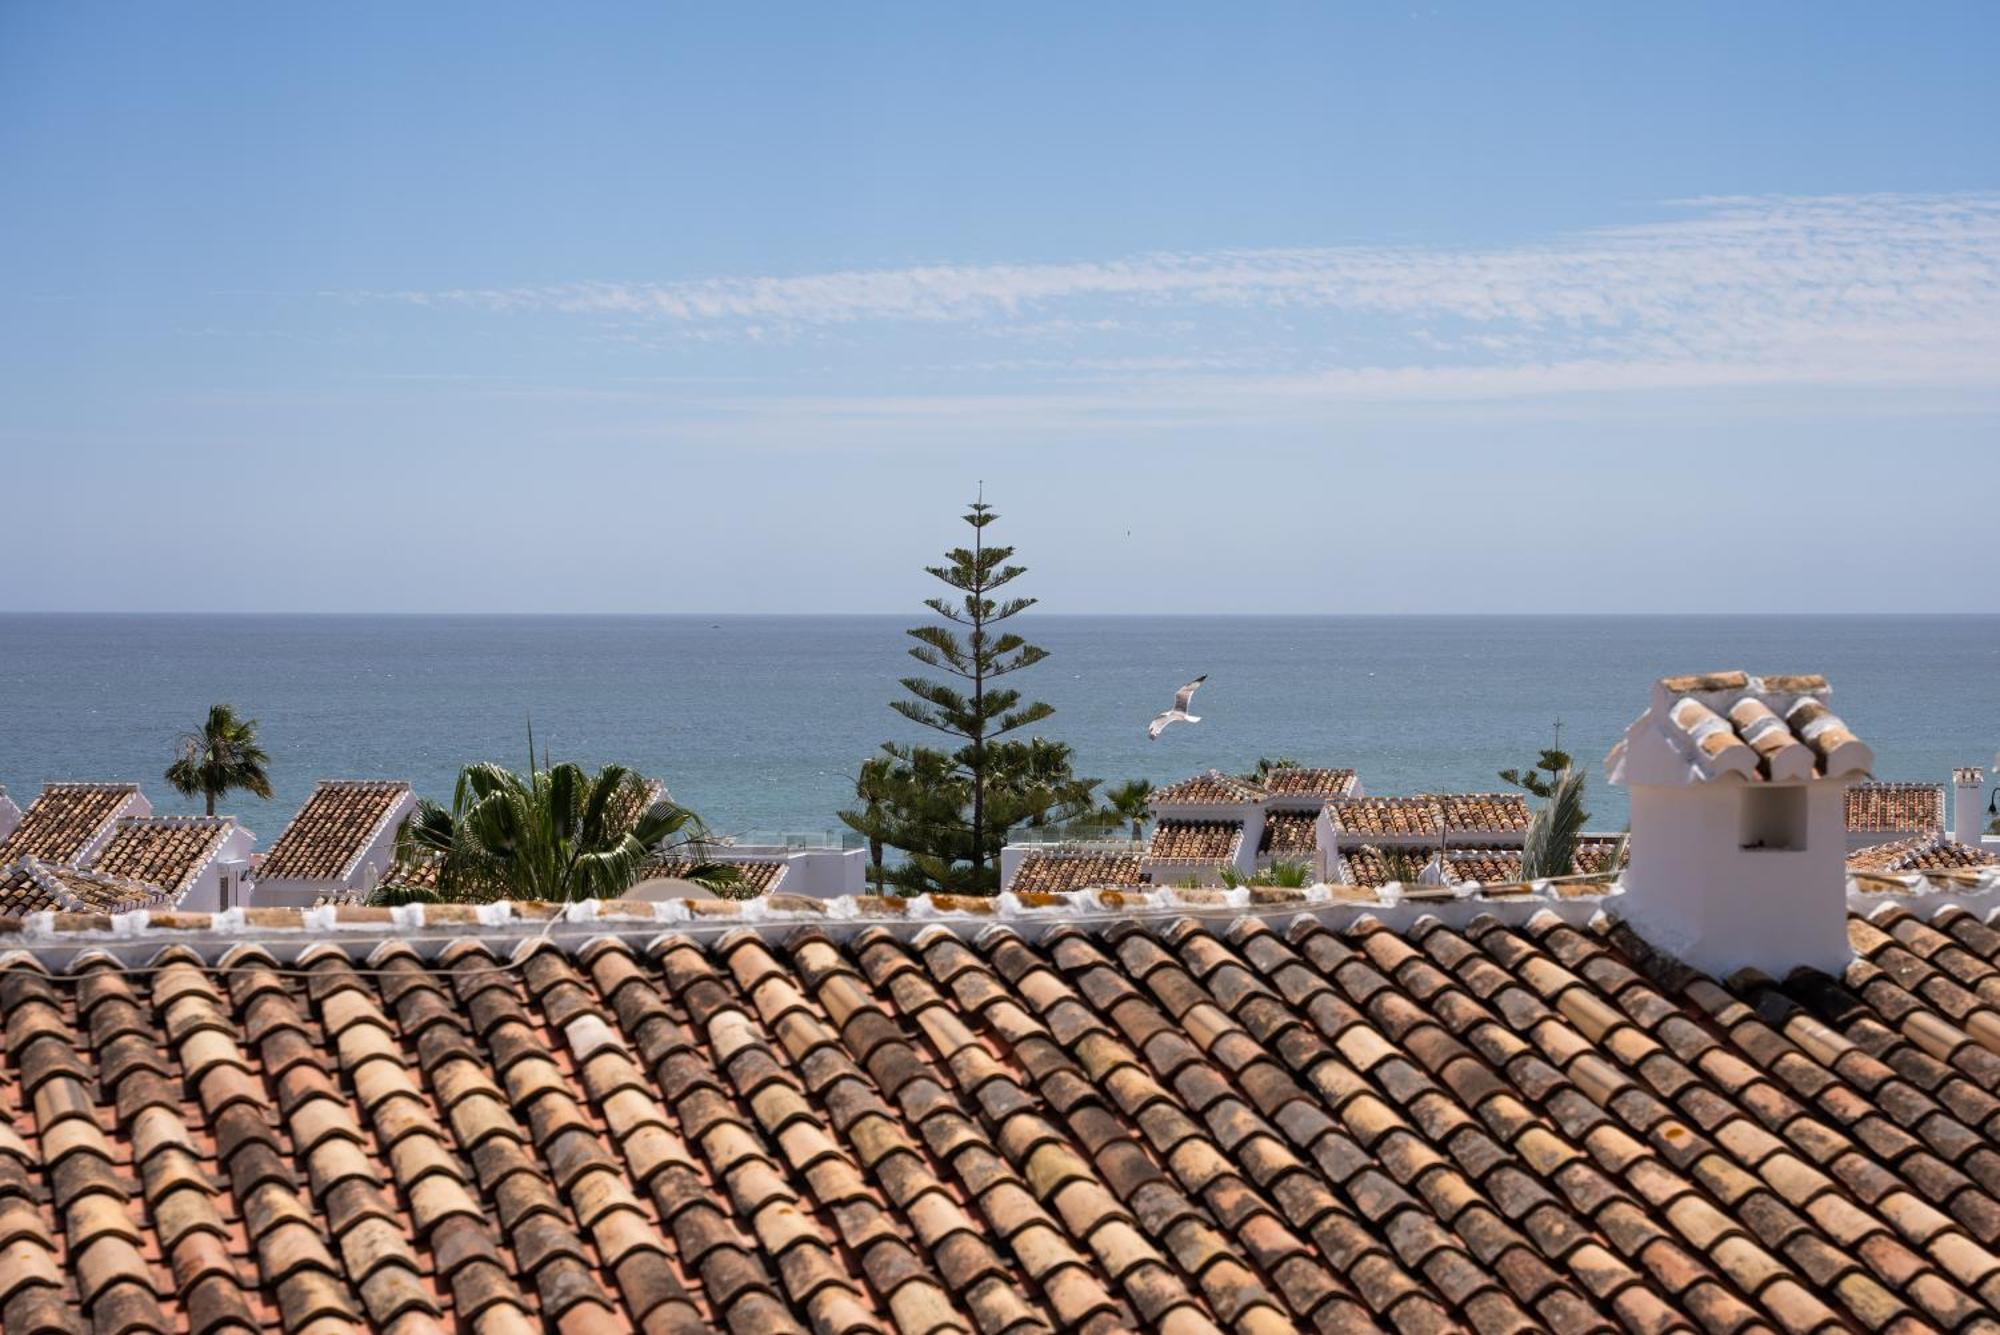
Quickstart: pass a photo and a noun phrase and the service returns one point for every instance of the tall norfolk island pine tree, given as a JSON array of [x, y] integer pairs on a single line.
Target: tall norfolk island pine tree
[[949, 812]]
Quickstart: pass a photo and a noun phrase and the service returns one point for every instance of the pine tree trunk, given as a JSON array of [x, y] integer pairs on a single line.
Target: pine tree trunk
[[978, 711]]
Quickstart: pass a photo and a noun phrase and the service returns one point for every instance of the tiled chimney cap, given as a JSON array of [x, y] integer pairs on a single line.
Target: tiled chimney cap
[[1771, 728]]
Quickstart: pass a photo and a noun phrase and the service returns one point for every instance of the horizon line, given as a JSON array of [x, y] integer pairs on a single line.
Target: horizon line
[[1633, 614]]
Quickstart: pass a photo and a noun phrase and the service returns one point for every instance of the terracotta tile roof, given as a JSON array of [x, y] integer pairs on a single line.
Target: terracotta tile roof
[[1289, 834], [413, 873], [1883, 807], [1933, 852], [1195, 840], [760, 876], [60, 823], [1483, 811], [334, 828], [642, 797], [1733, 723], [1211, 789], [1489, 866], [1377, 867], [1404, 816], [1300, 781], [1058, 870], [166, 851], [1181, 1123], [30, 885], [1592, 854]]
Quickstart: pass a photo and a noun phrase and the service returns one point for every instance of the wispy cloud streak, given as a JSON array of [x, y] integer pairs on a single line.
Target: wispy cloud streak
[[1880, 289]]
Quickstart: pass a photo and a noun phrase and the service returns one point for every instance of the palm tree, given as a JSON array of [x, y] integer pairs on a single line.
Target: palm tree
[[876, 788], [222, 757], [1129, 801], [557, 833], [1549, 849]]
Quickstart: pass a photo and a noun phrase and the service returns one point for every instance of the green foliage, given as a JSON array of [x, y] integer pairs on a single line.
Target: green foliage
[[1265, 764], [1399, 864], [1129, 804], [556, 833], [880, 789], [222, 757], [1551, 762], [949, 811], [1550, 846], [1290, 875]]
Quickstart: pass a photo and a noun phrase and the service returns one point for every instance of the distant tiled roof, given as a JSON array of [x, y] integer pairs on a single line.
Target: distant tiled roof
[[638, 800], [1932, 852], [1211, 789], [166, 851], [413, 874], [1370, 866], [1289, 833], [60, 823], [1195, 840], [1489, 866], [1301, 781], [1405, 816], [30, 885], [1775, 727], [1483, 811], [333, 828], [759, 876], [1878, 808], [1059, 870], [1430, 815], [1179, 1123], [1593, 854]]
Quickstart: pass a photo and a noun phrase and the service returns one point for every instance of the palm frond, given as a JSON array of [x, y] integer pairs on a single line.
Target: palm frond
[[1550, 846]]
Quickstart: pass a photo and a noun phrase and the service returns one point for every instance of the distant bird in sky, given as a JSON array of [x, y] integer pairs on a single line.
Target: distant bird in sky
[[1178, 714]]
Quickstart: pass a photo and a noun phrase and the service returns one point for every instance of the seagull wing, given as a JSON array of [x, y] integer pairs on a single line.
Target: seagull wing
[[1186, 693], [1159, 724]]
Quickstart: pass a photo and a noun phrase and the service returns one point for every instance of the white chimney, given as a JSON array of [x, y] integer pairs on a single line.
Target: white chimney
[[1968, 815], [10, 815], [1739, 831]]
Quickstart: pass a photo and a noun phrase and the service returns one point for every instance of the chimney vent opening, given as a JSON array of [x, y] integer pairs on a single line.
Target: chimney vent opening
[[1774, 819]]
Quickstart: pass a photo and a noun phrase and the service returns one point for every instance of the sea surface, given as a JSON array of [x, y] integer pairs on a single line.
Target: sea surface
[[760, 723]]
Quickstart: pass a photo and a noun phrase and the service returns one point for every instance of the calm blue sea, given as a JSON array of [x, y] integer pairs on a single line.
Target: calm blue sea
[[760, 722]]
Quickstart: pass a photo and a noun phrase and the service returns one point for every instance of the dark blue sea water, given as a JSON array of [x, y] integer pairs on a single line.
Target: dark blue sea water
[[760, 722]]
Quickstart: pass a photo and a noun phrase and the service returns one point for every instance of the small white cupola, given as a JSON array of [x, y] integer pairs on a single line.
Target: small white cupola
[[1738, 822]]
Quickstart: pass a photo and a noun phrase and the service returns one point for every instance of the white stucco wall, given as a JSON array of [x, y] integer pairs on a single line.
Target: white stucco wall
[[1968, 810], [823, 873], [1694, 891], [230, 863]]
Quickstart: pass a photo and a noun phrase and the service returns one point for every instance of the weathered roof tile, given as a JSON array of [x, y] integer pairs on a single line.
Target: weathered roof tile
[[332, 829]]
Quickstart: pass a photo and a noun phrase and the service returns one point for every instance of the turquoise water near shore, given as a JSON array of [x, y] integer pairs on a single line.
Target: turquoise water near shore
[[760, 722]]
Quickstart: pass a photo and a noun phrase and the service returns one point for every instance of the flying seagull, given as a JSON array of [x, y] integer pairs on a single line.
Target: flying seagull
[[1178, 714]]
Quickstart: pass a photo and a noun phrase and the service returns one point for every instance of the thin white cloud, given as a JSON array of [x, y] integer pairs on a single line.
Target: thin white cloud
[[1865, 289]]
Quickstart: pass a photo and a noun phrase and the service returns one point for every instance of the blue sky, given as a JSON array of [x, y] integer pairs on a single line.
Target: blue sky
[[1279, 308]]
